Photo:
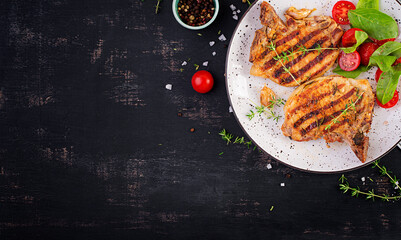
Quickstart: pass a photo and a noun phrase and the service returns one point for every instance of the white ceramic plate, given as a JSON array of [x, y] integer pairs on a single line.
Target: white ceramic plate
[[313, 156]]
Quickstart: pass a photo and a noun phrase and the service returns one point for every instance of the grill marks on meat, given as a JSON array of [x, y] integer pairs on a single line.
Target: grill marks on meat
[[308, 33], [321, 102]]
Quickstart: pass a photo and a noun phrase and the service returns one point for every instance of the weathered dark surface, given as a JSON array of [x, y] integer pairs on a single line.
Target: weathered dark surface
[[91, 146]]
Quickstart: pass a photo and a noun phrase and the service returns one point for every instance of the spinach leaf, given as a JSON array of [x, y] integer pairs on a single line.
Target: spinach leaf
[[387, 85], [360, 38], [383, 62], [393, 48], [368, 4], [351, 74], [375, 23]]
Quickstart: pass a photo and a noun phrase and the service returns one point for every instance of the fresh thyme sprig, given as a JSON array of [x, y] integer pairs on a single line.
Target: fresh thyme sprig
[[158, 6], [355, 191], [385, 172], [268, 111], [289, 54], [272, 47], [345, 111], [275, 102], [228, 137]]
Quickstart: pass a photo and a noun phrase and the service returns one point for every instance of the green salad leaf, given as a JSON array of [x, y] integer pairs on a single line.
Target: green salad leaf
[[383, 62], [351, 74], [368, 4], [360, 38], [389, 48], [387, 85], [375, 23]]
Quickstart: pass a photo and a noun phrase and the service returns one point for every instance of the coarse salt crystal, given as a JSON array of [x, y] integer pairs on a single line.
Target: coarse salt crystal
[[269, 166], [184, 63], [214, 53], [211, 43], [205, 63], [282, 184], [230, 109], [232, 7], [363, 179], [235, 17], [169, 86], [238, 11], [234, 12], [222, 38]]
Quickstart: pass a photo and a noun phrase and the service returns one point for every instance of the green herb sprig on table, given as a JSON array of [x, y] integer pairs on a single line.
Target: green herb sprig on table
[[157, 6], [356, 191], [228, 137]]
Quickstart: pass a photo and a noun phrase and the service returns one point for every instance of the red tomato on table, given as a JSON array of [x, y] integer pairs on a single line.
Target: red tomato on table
[[340, 11], [202, 81], [349, 61], [348, 39]]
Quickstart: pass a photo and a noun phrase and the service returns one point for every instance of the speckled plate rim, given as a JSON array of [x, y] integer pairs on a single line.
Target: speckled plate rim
[[254, 142]]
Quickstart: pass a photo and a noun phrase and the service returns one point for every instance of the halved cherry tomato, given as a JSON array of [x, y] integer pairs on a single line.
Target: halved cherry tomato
[[349, 61], [381, 42], [202, 81], [340, 11], [366, 50], [391, 103], [348, 39], [377, 74]]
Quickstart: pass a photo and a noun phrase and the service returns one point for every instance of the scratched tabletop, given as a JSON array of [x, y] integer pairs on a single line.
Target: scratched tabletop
[[93, 145]]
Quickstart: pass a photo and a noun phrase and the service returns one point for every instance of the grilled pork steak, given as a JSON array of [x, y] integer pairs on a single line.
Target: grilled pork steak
[[333, 107], [307, 47]]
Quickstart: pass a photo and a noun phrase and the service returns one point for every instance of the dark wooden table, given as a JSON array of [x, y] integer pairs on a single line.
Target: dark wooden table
[[92, 145]]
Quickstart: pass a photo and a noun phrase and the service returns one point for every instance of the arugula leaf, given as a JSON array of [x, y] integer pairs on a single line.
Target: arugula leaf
[[383, 62], [351, 74], [360, 38], [387, 85], [375, 23], [368, 4]]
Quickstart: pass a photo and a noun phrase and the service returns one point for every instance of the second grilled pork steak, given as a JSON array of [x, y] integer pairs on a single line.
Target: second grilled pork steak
[[310, 44], [333, 107]]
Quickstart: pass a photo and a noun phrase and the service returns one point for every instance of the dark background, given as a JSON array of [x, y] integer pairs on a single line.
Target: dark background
[[92, 145]]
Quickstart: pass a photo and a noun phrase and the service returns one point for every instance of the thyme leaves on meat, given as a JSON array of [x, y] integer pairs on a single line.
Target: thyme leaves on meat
[[290, 54], [272, 47], [356, 191], [344, 112]]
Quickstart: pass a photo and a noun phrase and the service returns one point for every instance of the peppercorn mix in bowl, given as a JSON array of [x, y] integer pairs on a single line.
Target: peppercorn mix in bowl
[[195, 14]]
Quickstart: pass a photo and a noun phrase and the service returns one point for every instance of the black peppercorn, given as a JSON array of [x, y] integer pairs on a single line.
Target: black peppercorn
[[196, 12]]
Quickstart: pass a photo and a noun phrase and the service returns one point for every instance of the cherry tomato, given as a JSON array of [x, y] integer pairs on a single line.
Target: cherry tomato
[[391, 103], [202, 81], [366, 50], [349, 61], [340, 11], [348, 39], [377, 74], [381, 42]]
